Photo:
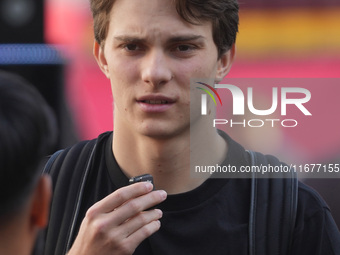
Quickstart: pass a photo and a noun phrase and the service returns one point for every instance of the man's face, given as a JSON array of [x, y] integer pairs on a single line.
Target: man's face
[[150, 54]]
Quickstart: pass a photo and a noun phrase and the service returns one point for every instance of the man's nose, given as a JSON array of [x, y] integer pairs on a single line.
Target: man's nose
[[156, 69]]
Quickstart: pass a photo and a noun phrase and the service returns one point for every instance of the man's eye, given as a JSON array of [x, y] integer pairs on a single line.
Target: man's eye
[[184, 47], [131, 47]]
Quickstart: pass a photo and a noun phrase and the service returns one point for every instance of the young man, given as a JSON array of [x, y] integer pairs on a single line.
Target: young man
[[26, 134], [150, 50]]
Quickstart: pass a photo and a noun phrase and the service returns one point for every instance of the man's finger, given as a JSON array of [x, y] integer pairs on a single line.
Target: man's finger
[[139, 221], [120, 196]]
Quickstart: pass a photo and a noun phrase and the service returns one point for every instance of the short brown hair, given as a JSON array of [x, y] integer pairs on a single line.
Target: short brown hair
[[222, 13]]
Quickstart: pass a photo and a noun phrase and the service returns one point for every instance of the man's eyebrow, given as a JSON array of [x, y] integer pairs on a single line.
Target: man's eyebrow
[[179, 38], [185, 38], [125, 38]]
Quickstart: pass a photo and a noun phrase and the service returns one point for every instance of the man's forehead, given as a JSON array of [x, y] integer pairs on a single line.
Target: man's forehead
[[151, 20], [141, 6], [163, 34], [150, 10]]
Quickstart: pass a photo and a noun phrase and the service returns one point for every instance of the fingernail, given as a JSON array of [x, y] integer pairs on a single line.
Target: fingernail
[[158, 222], [149, 186], [163, 194], [160, 213]]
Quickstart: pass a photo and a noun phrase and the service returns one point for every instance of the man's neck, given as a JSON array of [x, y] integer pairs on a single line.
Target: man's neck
[[167, 159]]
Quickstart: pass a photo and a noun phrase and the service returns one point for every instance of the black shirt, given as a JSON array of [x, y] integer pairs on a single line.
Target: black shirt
[[211, 219]]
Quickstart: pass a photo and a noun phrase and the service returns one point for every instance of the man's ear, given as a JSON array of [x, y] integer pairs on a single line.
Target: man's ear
[[98, 53], [40, 205], [224, 63]]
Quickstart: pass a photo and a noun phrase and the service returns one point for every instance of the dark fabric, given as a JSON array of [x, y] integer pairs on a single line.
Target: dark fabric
[[329, 190], [66, 188], [273, 208], [211, 219]]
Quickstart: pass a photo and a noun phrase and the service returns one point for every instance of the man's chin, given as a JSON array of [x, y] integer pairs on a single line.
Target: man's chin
[[161, 133]]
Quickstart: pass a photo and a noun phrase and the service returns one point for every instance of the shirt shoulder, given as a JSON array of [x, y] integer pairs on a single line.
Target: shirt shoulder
[[309, 200], [315, 229]]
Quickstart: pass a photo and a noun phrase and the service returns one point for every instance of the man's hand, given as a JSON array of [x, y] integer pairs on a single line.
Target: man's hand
[[119, 223]]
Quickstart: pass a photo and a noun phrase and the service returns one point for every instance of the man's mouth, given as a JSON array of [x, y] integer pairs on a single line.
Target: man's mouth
[[155, 101]]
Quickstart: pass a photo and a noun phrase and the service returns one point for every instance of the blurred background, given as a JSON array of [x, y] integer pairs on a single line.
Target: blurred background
[[50, 43]]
